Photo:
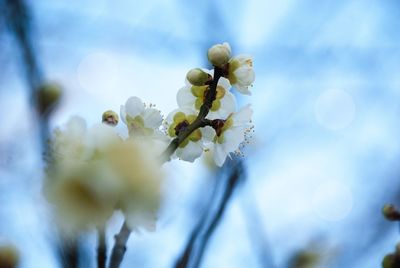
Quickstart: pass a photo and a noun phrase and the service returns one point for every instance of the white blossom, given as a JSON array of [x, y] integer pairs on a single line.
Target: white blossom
[[241, 74], [92, 172], [193, 146], [230, 133], [193, 97], [141, 120]]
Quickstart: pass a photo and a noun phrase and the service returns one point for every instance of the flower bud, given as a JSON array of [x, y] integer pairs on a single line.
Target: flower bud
[[110, 118], [391, 213], [9, 256], [48, 96], [219, 54], [198, 77]]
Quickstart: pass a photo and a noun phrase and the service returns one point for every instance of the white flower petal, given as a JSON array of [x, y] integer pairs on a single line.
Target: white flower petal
[[100, 136], [185, 98], [122, 113], [243, 58], [190, 152], [233, 137], [76, 126], [243, 116], [219, 155], [208, 133], [228, 105], [134, 106], [152, 118], [223, 82], [242, 89]]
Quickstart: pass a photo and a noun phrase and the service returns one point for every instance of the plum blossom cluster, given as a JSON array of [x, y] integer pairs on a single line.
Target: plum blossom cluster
[[94, 171], [226, 127]]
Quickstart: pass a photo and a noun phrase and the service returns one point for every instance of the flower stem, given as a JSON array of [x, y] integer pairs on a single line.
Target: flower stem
[[122, 237]]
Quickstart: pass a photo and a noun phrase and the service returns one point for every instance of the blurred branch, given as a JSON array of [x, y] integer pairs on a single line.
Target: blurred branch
[[119, 248], [184, 259], [197, 244], [101, 248], [69, 253], [19, 21], [257, 235]]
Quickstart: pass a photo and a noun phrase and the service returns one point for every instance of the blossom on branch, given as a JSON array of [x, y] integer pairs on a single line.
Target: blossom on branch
[[141, 120], [230, 134], [241, 74], [193, 97], [192, 147]]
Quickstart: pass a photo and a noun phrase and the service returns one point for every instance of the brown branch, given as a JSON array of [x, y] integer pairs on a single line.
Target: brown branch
[[121, 238]]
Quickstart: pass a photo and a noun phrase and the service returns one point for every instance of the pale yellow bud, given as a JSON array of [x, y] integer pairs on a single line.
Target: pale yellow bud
[[219, 54], [391, 213], [48, 96], [198, 77], [110, 118]]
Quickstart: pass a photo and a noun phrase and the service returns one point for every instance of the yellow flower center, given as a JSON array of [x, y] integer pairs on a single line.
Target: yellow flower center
[[220, 126], [136, 126], [181, 122], [201, 93]]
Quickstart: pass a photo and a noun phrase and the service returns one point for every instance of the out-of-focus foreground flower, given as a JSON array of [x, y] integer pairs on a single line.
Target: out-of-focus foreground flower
[[92, 172]]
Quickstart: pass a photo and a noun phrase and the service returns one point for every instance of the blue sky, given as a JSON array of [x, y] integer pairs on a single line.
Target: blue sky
[[326, 99]]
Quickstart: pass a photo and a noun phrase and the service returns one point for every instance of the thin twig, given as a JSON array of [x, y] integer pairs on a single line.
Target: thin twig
[[101, 248], [121, 239], [19, 21], [69, 253], [233, 180], [119, 248], [184, 259]]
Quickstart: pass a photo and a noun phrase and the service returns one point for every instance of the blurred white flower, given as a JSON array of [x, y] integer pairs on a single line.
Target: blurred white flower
[[192, 147], [141, 120], [91, 172], [230, 133], [241, 74], [219, 54], [193, 97]]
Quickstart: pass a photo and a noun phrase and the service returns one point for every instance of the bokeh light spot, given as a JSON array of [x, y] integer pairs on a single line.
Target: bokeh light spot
[[332, 201], [98, 73]]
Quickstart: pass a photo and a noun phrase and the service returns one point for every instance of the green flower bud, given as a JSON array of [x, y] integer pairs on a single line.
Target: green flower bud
[[391, 213], [48, 96], [110, 118], [9, 256], [198, 77], [219, 55]]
